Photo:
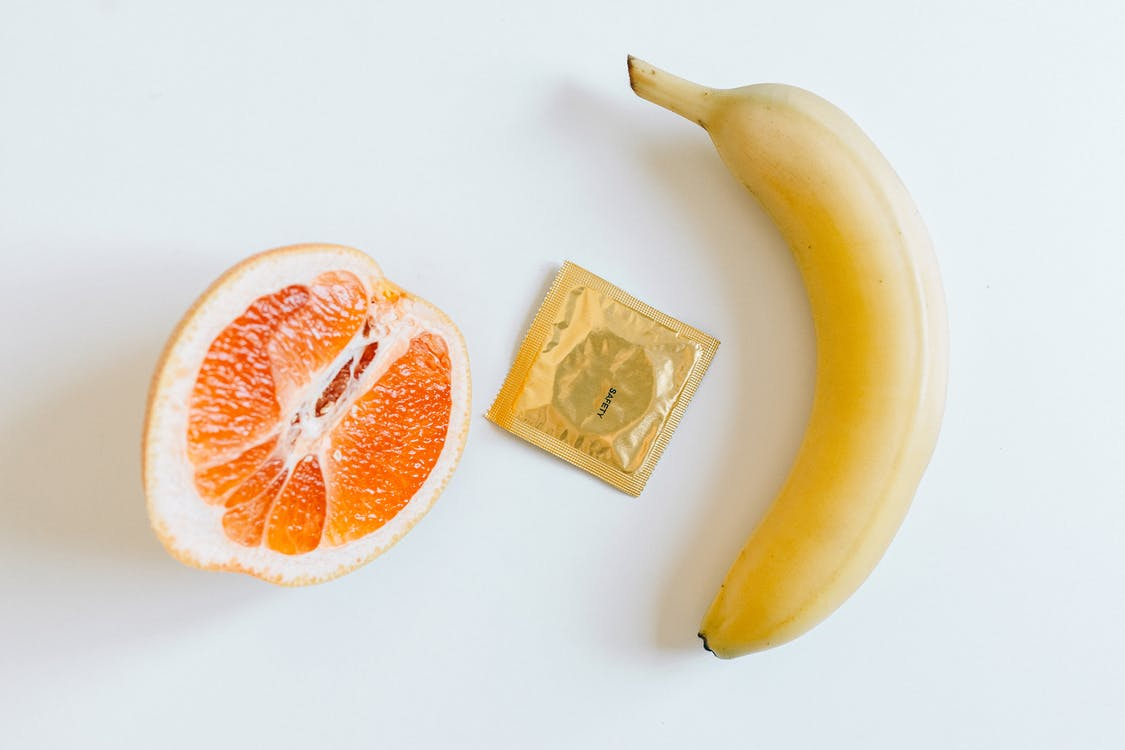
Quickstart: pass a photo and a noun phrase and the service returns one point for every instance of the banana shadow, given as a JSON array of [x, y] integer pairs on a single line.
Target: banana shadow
[[767, 351], [765, 367], [86, 577]]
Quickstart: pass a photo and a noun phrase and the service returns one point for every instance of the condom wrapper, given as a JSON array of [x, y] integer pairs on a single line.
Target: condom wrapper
[[602, 379]]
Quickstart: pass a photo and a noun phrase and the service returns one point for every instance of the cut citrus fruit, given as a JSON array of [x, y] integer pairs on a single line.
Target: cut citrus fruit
[[305, 415]]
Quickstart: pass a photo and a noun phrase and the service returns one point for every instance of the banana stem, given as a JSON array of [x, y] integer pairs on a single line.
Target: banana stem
[[681, 96]]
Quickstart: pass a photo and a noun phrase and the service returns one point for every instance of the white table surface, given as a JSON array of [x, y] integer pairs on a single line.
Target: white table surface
[[470, 148]]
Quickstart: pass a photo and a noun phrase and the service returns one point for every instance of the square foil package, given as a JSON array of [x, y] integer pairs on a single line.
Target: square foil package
[[602, 379]]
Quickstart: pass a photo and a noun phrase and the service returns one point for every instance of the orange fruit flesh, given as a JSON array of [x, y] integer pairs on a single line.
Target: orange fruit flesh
[[298, 465]]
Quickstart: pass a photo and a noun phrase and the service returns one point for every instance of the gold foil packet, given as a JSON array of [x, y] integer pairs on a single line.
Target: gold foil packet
[[602, 379]]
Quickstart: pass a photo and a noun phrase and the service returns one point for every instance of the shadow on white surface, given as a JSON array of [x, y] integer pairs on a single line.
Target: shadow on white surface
[[746, 458], [550, 271], [89, 576], [765, 367]]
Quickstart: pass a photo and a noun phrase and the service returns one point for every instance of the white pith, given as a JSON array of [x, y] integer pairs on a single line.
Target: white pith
[[190, 527]]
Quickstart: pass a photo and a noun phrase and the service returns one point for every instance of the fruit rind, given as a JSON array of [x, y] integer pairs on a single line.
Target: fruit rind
[[191, 529]]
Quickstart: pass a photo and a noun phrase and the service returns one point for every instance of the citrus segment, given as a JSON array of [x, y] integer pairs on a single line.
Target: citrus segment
[[234, 399], [386, 446], [247, 505], [297, 516], [215, 482], [309, 338]]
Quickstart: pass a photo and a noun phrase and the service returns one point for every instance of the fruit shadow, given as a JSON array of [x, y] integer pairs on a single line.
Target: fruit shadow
[[765, 365], [86, 577]]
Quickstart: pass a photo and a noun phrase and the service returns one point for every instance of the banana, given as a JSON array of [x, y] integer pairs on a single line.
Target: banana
[[882, 351]]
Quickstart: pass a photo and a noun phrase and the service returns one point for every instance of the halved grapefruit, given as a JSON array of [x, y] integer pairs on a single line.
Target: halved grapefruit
[[306, 413]]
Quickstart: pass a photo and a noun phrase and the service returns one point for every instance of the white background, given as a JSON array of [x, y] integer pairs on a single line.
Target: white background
[[470, 148]]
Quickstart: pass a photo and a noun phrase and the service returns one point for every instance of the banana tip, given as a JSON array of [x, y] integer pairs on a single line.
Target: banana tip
[[707, 648]]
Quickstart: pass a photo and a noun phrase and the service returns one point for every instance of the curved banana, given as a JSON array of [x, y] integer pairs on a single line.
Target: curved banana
[[881, 333]]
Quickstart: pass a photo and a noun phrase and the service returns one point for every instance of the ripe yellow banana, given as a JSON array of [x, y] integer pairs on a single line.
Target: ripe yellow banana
[[881, 334]]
